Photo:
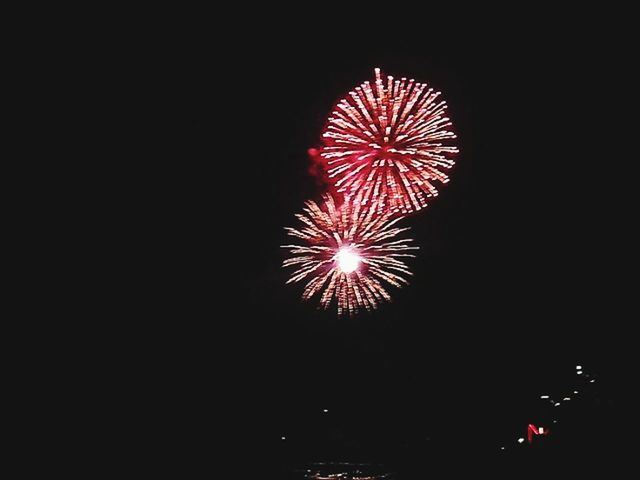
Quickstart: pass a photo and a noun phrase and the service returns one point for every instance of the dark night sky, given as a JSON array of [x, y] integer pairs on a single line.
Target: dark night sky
[[514, 284]]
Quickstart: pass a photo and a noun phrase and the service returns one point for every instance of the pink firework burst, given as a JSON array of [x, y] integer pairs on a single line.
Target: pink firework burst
[[349, 253], [391, 142]]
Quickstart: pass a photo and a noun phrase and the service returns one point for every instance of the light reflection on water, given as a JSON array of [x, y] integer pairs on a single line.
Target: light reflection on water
[[344, 471]]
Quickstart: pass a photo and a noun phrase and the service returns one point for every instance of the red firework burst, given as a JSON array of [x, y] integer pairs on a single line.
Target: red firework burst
[[390, 142]]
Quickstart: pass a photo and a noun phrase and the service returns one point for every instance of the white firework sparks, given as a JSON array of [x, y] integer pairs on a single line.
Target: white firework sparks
[[350, 252]]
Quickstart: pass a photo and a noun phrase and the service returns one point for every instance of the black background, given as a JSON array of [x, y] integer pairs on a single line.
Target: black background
[[517, 280]]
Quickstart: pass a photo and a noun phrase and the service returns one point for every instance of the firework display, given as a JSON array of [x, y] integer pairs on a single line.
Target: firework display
[[349, 253], [389, 140], [385, 148]]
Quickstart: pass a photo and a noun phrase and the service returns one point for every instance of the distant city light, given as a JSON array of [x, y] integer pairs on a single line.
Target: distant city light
[[541, 430], [592, 381], [521, 440], [501, 448], [579, 372], [578, 367], [575, 392], [283, 438], [325, 410], [544, 397], [557, 404], [566, 398]]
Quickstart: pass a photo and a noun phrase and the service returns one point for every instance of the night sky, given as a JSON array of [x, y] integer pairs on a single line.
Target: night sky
[[515, 283]]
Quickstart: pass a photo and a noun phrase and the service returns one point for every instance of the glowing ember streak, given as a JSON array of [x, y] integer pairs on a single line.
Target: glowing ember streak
[[391, 141], [349, 252]]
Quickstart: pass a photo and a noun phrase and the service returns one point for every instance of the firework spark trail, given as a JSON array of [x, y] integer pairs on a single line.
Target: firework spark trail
[[350, 251], [391, 142]]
